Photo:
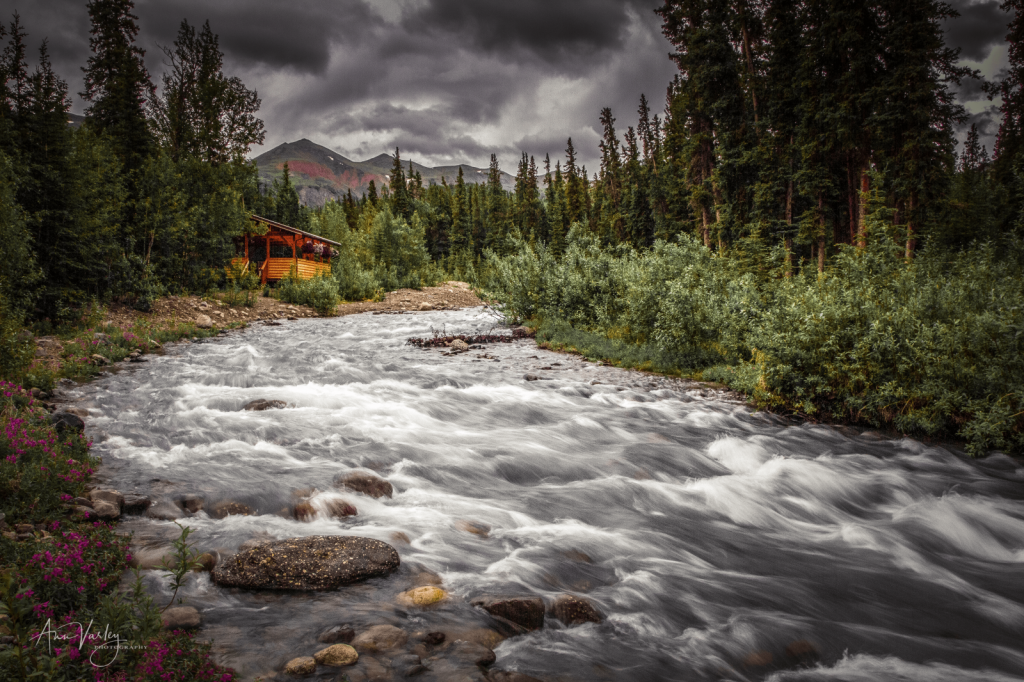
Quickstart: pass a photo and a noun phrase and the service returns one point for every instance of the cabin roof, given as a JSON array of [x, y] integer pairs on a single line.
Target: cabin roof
[[295, 230]]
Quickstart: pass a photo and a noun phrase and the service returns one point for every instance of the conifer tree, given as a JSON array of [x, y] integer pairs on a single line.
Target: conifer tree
[[202, 113], [117, 84], [401, 206], [371, 193]]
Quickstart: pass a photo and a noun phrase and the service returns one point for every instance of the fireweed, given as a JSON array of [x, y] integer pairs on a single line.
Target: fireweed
[[60, 597]]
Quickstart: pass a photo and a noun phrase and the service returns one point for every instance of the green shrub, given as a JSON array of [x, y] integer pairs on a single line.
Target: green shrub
[[932, 347], [319, 293]]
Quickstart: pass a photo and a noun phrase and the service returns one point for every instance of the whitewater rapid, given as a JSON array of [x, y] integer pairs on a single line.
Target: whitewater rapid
[[712, 538]]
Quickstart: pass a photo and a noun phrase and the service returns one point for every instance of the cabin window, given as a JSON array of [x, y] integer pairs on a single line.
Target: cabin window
[[280, 250]]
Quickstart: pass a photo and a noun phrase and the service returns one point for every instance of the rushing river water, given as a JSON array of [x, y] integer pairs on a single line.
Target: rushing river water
[[712, 539]]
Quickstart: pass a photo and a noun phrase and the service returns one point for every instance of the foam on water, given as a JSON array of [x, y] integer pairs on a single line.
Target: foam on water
[[708, 536]]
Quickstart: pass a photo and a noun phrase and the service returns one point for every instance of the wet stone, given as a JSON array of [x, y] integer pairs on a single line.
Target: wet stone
[[226, 508], [471, 652], [507, 676], [65, 422], [261, 404], [135, 504], [303, 665], [180, 618], [336, 655], [191, 503], [527, 612], [311, 563], [381, 638], [365, 483], [573, 610], [474, 527], [408, 665], [433, 638], [427, 595], [206, 561], [340, 508], [338, 633]]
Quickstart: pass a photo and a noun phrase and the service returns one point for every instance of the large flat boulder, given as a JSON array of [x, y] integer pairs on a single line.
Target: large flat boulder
[[317, 562]]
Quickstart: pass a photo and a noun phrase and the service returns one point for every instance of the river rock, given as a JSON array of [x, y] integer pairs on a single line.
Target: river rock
[[381, 638], [311, 563], [81, 502], [226, 508], [180, 618], [527, 612], [802, 653], [304, 511], [106, 511], [408, 665], [261, 404], [340, 509], [531, 377], [458, 346], [336, 655], [474, 527], [191, 503], [426, 306], [434, 638], [364, 483], [471, 652], [165, 510], [422, 596], [110, 496], [79, 412], [303, 665], [207, 562], [573, 610], [135, 504], [204, 322], [65, 421], [507, 676], [338, 633]]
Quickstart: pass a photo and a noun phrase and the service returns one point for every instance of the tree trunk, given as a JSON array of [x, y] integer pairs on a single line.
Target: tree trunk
[[706, 227], [821, 235], [911, 241], [789, 221], [862, 227]]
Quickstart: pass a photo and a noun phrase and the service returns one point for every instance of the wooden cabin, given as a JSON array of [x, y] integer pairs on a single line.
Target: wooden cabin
[[281, 249]]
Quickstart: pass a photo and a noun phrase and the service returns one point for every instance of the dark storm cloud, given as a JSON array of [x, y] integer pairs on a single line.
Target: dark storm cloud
[[549, 29], [446, 80], [980, 26]]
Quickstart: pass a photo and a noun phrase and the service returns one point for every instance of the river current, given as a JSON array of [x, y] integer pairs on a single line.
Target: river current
[[718, 543]]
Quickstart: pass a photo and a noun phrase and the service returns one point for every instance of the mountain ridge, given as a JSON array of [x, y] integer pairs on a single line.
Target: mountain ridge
[[320, 174]]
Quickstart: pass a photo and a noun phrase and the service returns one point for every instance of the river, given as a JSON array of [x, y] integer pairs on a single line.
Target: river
[[719, 544]]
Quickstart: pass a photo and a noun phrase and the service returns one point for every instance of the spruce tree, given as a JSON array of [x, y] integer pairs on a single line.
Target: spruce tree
[[400, 203], [117, 84]]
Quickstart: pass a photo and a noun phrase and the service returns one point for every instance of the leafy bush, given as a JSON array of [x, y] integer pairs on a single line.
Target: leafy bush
[[244, 286], [319, 293], [933, 347], [59, 595]]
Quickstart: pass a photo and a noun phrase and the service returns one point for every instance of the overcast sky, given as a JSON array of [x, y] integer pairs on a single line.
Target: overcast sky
[[445, 80]]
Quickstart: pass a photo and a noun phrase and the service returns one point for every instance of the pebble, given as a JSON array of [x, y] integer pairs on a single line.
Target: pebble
[[422, 596], [303, 665], [338, 633], [381, 638], [180, 618], [336, 655]]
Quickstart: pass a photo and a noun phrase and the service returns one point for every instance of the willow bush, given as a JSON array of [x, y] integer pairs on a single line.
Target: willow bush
[[933, 347]]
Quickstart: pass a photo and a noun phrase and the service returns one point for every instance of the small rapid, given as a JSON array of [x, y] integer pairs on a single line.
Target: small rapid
[[718, 543]]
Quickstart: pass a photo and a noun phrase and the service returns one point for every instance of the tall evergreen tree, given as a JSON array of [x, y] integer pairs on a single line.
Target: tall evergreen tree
[[117, 84], [202, 113]]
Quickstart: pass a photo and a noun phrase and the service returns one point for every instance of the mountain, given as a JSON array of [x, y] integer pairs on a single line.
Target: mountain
[[320, 174]]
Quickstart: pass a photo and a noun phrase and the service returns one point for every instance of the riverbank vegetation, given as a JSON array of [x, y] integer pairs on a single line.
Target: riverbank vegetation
[[798, 220]]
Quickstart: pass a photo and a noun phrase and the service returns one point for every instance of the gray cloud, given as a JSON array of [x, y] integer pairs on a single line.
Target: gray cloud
[[445, 80], [980, 26]]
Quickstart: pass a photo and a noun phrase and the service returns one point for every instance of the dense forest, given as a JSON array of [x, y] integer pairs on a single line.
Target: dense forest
[[796, 220]]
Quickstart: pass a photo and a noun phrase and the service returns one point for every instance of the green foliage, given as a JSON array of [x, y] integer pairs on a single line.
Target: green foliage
[[932, 347], [319, 293], [244, 286], [183, 561], [59, 595]]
